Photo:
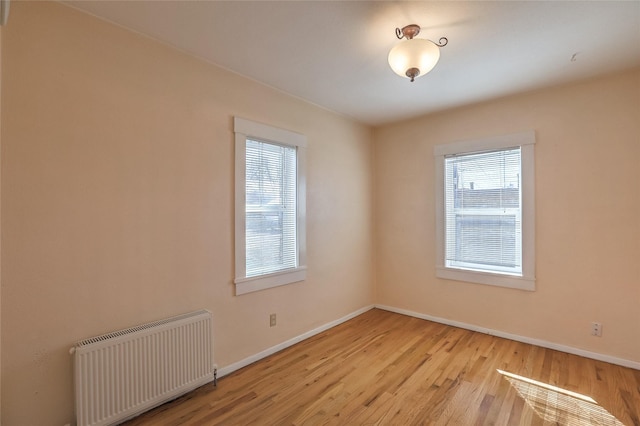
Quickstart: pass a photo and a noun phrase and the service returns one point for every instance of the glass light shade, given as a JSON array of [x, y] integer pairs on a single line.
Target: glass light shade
[[415, 53]]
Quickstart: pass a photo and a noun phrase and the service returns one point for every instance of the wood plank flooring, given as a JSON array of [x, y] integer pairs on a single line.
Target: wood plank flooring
[[382, 368]]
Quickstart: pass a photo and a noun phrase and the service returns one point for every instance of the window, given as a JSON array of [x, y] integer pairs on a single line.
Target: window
[[485, 211], [270, 206]]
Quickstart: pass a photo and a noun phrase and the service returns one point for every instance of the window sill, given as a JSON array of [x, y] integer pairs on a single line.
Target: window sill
[[499, 280], [263, 282]]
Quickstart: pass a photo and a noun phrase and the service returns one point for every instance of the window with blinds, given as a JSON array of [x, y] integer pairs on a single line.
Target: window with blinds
[[483, 219], [270, 206], [485, 211], [270, 224]]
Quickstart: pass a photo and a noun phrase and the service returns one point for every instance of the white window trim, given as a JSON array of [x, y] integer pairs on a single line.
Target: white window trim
[[249, 129], [525, 141]]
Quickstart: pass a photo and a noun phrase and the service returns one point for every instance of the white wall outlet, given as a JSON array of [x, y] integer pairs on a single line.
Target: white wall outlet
[[596, 329], [272, 320]]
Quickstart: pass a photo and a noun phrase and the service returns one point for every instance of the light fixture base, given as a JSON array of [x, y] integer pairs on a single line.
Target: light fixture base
[[408, 32]]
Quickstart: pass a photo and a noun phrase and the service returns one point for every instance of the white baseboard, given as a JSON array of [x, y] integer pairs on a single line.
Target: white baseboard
[[543, 343], [270, 351]]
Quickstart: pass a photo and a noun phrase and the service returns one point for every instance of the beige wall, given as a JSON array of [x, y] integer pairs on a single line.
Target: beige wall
[[0, 226], [117, 202], [587, 209]]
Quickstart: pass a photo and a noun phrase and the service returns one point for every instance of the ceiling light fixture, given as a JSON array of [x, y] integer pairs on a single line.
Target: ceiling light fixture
[[414, 57]]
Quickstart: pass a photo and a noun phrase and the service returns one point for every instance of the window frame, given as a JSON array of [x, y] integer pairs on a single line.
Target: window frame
[[246, 129], [526, 141]]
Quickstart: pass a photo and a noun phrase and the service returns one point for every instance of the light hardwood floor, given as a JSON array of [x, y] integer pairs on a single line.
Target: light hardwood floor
[[382, 368]]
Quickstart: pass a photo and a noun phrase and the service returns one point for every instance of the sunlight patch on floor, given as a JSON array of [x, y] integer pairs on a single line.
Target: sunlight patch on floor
[[557, 405]]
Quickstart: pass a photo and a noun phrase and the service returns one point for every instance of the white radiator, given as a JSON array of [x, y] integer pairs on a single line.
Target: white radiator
[[122, 374]]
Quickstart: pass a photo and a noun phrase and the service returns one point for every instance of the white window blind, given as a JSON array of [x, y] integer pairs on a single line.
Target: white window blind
[[270, 221], [483, 215]]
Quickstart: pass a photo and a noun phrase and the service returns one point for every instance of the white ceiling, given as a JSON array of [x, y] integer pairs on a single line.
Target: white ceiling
[[334, 53]]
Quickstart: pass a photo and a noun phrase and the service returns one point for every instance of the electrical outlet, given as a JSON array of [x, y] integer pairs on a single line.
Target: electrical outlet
[[596, 329], [272, 320]]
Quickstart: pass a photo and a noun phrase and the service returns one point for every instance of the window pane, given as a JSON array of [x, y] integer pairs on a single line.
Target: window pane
[[270, 208], [482, 211]]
